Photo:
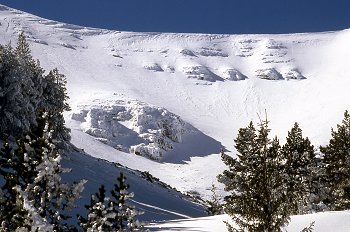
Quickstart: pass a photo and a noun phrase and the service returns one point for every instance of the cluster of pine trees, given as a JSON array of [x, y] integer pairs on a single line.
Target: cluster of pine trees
[[268, 182], [25, 93], [32, 195], [34, 198]]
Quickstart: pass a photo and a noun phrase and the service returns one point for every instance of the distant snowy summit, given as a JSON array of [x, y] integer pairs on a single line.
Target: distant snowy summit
[[207, 58]]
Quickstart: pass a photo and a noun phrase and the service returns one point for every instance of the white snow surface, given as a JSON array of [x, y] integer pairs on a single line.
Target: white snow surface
[[124, 85], [323, 222]]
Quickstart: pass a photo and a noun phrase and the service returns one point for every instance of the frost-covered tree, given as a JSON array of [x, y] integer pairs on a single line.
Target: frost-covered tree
[[100, 213], [337, 165], [13, 103], [13, 214], [111, 213], [33, 184], [55, 103], [20, 88], [299, 169], [214, 205], [25, 93], [255, 181]]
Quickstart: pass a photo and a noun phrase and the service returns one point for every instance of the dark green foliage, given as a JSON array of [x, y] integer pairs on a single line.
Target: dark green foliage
[[55, 103], [99, 213], [299, 169], [337, 165], [310, 228], [32, 185], [111, 214], [257, 200], [25, 93], [16, 215], [214, 206]]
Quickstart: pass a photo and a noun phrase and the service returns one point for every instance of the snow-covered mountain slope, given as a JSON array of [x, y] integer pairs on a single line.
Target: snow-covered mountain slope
[[141, 92], [155, 199], [323, 222]]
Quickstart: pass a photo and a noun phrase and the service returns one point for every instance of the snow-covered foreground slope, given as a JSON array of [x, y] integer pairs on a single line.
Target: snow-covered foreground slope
[[158, 201], [324, 222], [180, 98]]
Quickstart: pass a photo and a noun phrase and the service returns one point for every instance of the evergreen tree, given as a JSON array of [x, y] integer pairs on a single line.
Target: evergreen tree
[[30, 75], [100, 213], [299, 170], [13, 214], [33, 185], [111, 214], [55, 103], [25, 93], [214, 206], [337, 165], [12, 115], [257, 200]]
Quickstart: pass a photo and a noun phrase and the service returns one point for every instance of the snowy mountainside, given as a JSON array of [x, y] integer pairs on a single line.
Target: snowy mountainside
[[157, 201], [212, 84]]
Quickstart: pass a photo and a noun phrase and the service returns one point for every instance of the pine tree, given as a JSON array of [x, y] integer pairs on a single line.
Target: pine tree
[[55, 103], [337, 165], [299, 170], [13, 214], [11, 96], [30, 74], [25, 93], [22, 49], [100, 213], [214, 206], [111, 214], [125, 220], [257, 200], [32, 183]]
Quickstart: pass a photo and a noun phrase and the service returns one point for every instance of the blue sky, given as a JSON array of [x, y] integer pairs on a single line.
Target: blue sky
[[197, 16]]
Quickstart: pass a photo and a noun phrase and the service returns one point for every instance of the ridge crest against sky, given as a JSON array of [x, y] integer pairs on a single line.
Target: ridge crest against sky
[[195, 16]]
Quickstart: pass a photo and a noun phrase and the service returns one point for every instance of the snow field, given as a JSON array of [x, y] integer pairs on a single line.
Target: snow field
[[205, 86]]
